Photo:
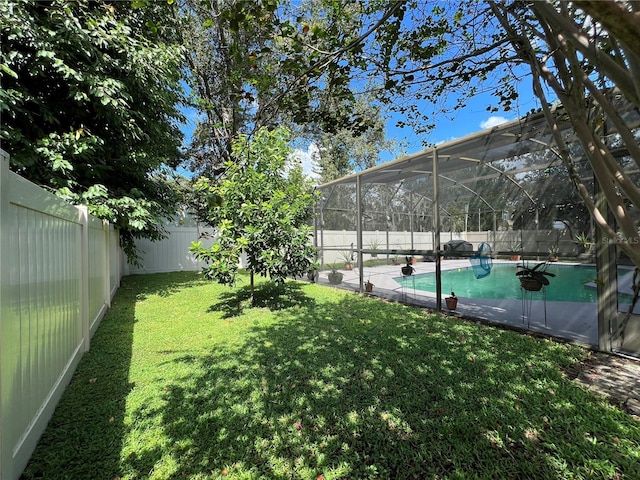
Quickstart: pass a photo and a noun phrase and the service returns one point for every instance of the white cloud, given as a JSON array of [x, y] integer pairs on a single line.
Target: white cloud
[[493, 121], [307, 159], [441, 142]]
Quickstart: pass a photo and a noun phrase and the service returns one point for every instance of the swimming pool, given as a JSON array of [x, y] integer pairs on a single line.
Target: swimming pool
[[567, 286]]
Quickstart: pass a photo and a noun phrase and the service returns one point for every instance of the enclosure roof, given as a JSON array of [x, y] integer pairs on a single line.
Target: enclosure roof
[[524, 135]]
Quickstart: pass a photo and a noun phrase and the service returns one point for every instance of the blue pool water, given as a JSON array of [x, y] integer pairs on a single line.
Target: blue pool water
[[567, 286]]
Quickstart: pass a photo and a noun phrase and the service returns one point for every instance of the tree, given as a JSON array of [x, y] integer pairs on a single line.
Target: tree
[[269, 63], [89, 105], [595, 77], [222, 60], [260, 206], [344, 151]]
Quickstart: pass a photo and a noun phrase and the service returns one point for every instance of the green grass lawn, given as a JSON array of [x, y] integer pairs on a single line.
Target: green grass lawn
[[185, 379]]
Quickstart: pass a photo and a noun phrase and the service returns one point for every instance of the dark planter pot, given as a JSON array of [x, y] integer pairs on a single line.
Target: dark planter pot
[[407, 270], [368, 287], [530, 284], [452, 302], [335, 278]]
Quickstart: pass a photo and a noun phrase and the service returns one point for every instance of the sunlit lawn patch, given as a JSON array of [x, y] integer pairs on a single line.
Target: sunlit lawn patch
[[186, 380]]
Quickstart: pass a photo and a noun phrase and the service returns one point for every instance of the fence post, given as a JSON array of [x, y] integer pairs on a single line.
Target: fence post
[[5, 450], [83, 216], [107, 263]]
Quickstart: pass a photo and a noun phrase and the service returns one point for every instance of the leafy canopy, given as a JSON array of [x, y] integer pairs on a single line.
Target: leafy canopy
[[270, 63], [260, 206], [89, 105]]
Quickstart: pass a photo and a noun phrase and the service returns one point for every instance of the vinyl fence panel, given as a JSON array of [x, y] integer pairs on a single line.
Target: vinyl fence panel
[[55, 286], [98, 270], [170, 254]]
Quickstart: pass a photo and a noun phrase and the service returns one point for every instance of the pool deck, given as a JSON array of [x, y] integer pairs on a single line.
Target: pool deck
[[574, 321]]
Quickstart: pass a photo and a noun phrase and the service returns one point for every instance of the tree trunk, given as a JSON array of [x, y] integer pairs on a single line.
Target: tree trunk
[[252, 288], [570, 83]]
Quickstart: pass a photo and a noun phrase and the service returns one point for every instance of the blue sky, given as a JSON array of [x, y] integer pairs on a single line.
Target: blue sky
[[449, 126], [466, 121]]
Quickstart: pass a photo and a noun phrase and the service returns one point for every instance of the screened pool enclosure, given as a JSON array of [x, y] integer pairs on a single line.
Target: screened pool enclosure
[[477, 216]]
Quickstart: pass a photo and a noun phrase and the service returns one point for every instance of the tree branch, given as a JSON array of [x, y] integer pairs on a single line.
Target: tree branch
[[621, 127], [581, 41], [620, 22], [322, 64], [454, 60], [522, 45], [595, 148]]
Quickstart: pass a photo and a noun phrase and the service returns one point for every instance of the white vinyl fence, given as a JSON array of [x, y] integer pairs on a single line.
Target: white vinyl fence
[[170, 254], [59, 268], [338, 243]]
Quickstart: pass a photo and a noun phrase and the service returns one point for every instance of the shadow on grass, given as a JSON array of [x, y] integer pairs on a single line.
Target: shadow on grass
[[361, 389], [268, 295], [345, 388], [84, 436]]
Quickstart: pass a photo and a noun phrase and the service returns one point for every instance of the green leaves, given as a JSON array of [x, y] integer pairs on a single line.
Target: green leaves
[[264, 212], [92, 95]]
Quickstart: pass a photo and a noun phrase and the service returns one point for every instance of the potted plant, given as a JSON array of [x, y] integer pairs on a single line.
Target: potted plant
[[368, 287], [584, 243], [451, 301], [335, 277], [515, 250], [373, 245], [408, 268], [347, 257], [533, 279], [553, 253]]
